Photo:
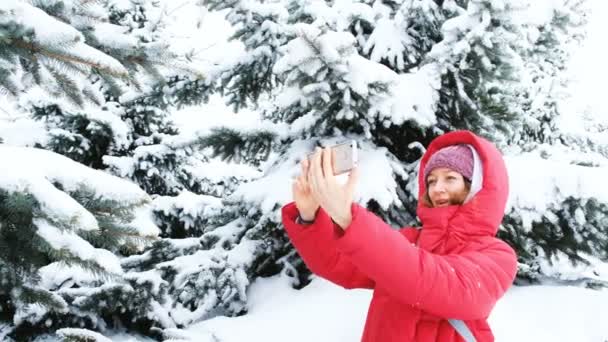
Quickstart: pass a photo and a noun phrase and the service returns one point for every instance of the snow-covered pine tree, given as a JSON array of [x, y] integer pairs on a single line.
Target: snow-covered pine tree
[[124, 128], [156, 157], [64, 229], [259, 25], [127, 131], [69, 48], [41, 47], [103, 80], [546, 63], [559, 230]]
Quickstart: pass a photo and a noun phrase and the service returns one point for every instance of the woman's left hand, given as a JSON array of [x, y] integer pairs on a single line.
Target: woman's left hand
[[334, 198]]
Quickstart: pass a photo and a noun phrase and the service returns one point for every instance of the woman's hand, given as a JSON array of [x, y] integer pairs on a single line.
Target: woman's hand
[[335, 199], [306, 203]]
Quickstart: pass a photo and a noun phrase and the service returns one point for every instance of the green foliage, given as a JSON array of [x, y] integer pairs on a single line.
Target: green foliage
[[82, 138], [20, 252], [106, 299], [236, 146], [571, 227], [261, 28], [574, 228]]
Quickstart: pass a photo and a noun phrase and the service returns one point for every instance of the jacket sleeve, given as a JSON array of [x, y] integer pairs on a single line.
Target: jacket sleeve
[[461, 286], [317, 246]]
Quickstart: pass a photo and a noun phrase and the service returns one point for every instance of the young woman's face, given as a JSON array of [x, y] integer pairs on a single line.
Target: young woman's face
[[446, 187]]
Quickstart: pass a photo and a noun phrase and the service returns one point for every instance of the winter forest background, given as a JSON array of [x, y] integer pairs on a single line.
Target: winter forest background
[[147, 147]]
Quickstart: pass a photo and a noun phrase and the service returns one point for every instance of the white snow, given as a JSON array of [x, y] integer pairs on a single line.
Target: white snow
[[362, 72], [110, 117], [26, 15], [17, 128], [551, 313], [388, 42], [34, 169], [587, 105], [411, 96], [49, 31], [203, 35], [81, 249], [187, 206], [323, 311], [534, 181], [415, 96], [377, 171], [82, 334], [200, 120], [115, 36], [148, 276], [143, 221]]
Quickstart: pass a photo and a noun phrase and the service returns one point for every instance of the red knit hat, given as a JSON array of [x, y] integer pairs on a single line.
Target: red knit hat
[[458, 158]]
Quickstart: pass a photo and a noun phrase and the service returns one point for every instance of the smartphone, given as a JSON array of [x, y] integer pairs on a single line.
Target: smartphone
[[344, 157]]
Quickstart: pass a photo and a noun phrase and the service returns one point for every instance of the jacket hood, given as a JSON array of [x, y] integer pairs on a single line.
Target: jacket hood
[[482, 213]]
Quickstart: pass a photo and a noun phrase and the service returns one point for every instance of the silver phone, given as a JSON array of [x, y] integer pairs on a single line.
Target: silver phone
[[344, 157]]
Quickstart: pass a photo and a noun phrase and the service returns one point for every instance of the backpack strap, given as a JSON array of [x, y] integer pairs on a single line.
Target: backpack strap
[[462, 330]]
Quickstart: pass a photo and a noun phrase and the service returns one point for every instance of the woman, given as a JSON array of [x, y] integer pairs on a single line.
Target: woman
[[453, 268]]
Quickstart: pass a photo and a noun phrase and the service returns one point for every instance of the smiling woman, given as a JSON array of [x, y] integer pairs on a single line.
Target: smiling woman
[[446, 187], [448, 176], [435, 283]]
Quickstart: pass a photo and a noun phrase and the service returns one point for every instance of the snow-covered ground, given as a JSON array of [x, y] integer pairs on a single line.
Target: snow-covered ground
[[323, 311]]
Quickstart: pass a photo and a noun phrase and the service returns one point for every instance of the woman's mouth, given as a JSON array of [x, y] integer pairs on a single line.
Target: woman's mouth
[[442, 203]]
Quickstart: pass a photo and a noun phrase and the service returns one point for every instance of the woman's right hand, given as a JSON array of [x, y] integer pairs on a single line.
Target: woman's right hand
[[306, 203]]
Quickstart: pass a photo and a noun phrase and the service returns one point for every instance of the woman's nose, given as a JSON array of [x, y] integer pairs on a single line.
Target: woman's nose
[[439, 187]]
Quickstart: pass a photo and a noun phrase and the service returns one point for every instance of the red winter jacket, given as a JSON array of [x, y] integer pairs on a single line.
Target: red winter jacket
[[454, 267]]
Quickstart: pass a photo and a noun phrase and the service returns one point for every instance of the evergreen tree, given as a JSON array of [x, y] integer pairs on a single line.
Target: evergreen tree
[[480, 57], [104, 80], [260, 26], [156, 157], [63, 233], [546, 63], [570, 231]]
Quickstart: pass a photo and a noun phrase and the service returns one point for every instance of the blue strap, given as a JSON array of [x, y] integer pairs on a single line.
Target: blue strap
[[462, 329]]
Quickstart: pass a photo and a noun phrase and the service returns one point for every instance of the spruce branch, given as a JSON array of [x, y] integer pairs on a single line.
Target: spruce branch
[[68, 58]]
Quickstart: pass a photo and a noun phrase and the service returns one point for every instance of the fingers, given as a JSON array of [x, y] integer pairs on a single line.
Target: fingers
[[294, 188], [304, 164], [302, 183], [353, 178], [327, 163], [315, 163], [303, 177], [298, 183], [315, 172], [308, 174]]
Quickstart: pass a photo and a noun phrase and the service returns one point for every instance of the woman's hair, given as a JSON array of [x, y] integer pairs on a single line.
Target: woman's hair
[[426, 199]]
